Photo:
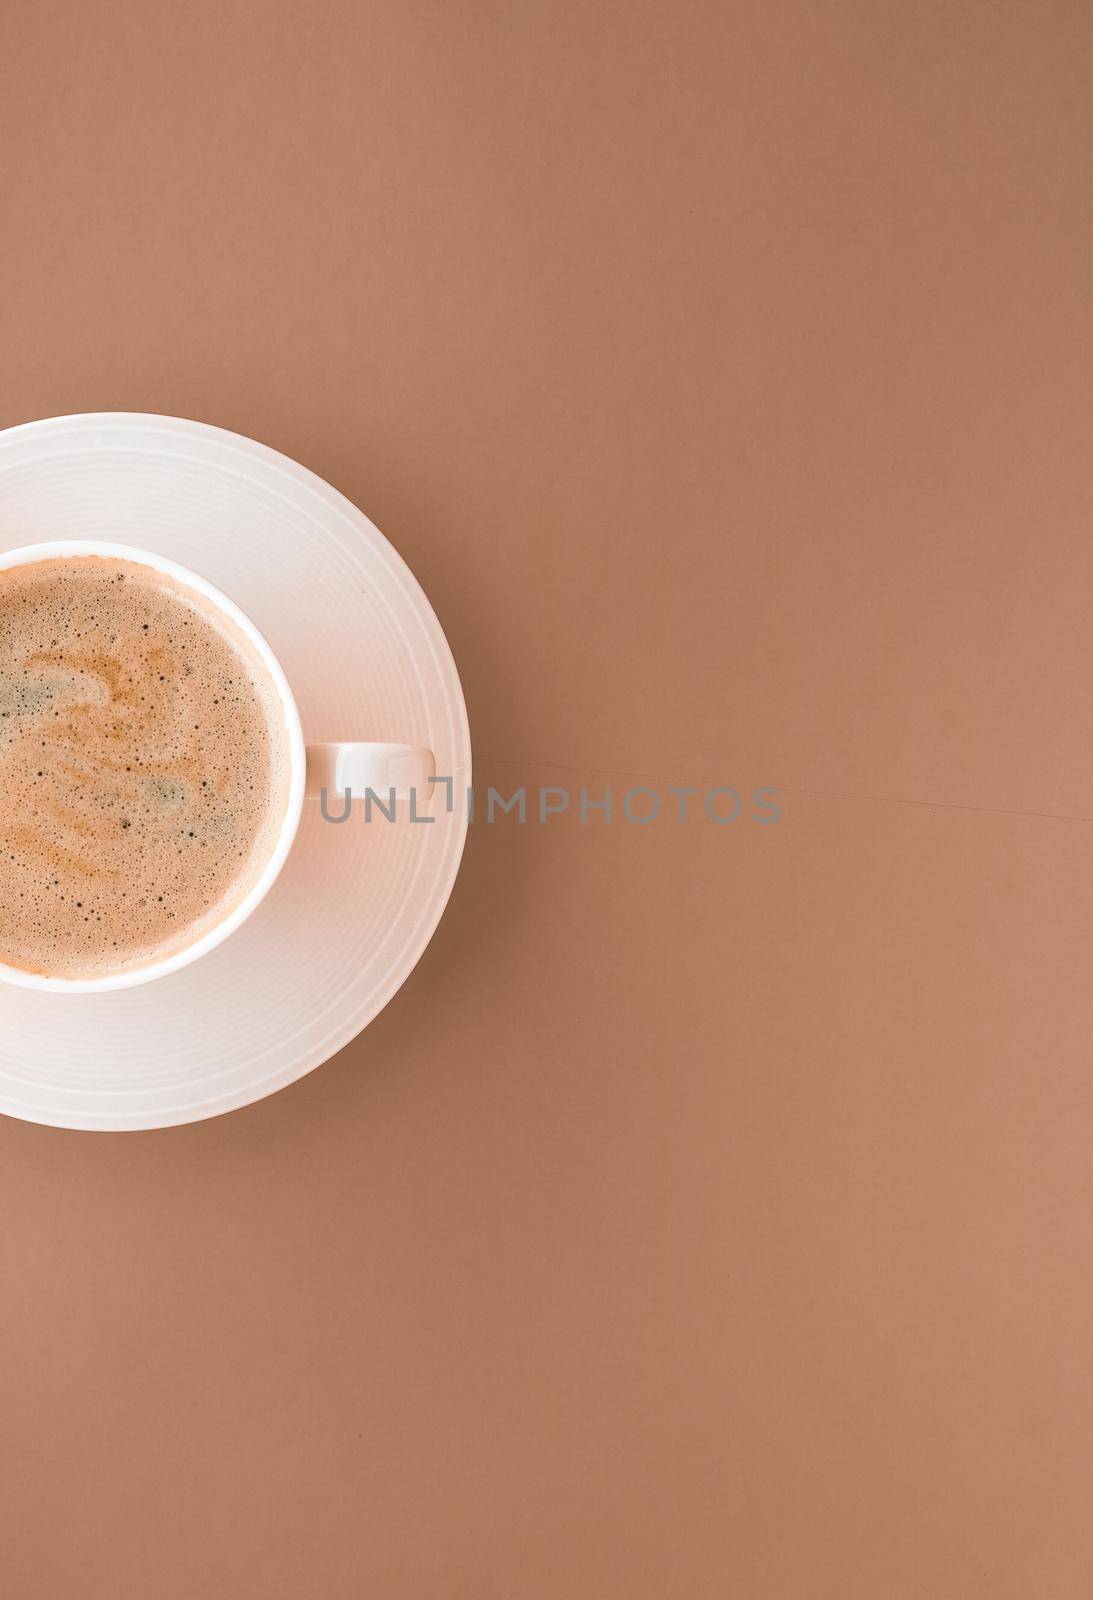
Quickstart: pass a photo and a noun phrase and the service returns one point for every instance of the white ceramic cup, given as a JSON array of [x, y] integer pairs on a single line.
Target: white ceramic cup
[[340, 768]]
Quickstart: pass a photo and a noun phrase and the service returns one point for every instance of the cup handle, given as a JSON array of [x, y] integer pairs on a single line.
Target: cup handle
[[379, 767]]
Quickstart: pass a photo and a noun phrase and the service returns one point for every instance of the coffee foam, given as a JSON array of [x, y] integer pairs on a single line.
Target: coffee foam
[[143, 766]]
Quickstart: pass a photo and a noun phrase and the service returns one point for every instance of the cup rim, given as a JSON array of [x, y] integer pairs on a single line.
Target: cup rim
[[63, 549]]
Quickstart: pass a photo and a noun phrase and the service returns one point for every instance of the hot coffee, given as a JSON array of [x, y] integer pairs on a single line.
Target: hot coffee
[[143, 766]]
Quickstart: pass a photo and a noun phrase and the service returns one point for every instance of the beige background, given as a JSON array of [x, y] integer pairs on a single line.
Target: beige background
[[710, 1214]]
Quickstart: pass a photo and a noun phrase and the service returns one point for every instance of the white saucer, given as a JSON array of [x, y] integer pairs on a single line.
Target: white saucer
[[357, 903]]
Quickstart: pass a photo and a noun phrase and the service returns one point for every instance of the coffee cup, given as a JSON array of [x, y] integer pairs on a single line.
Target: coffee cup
[[385, 768]]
